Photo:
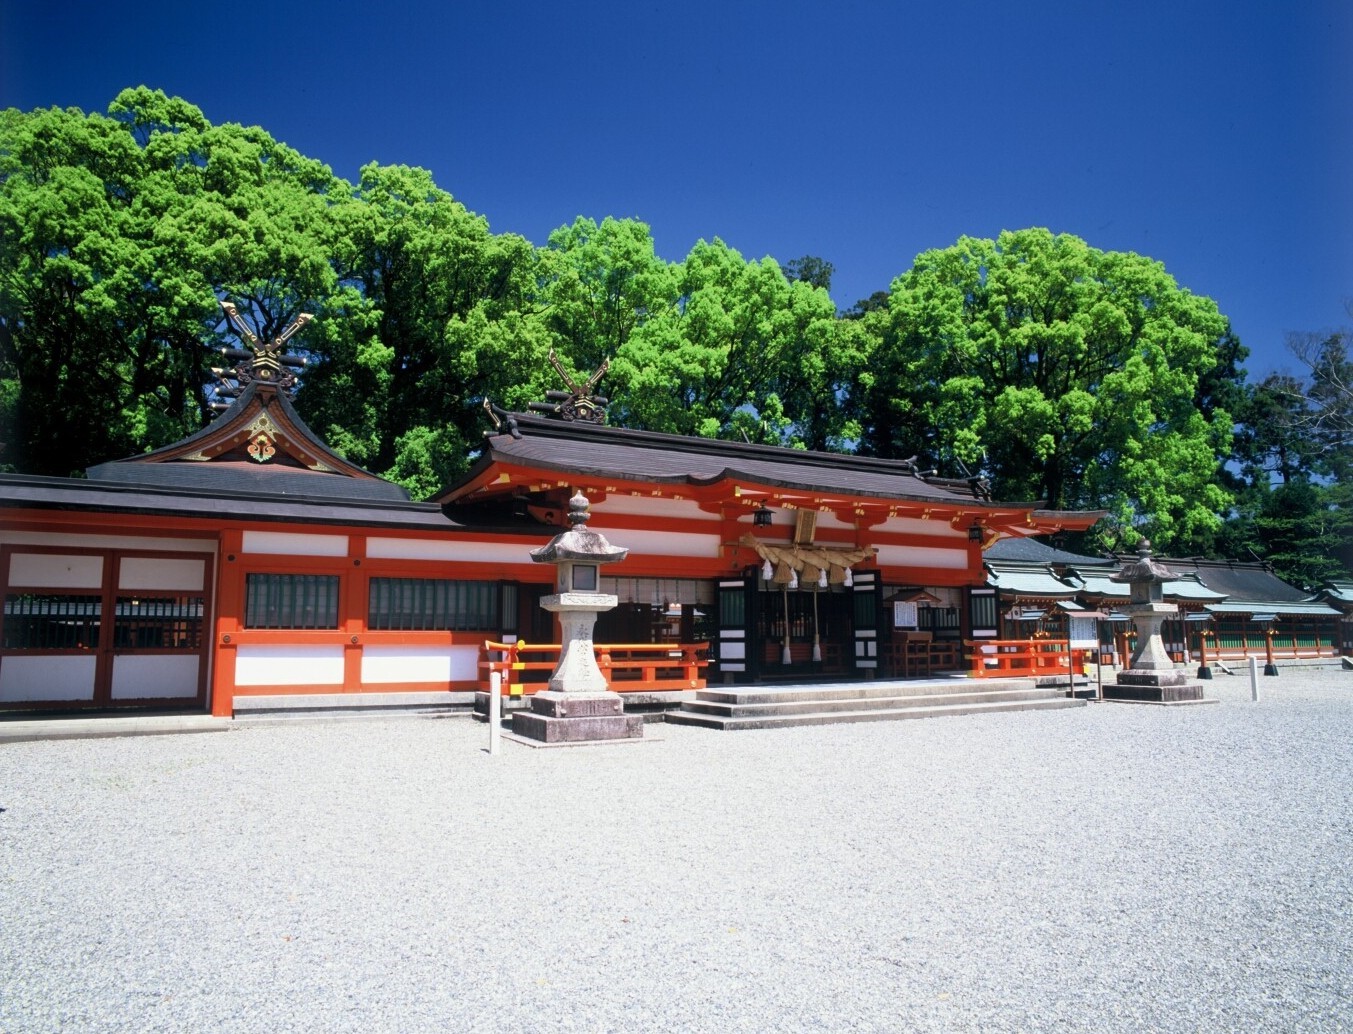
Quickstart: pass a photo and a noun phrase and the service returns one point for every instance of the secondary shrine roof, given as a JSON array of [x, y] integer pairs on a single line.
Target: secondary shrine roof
[[162, 500], [1240, 581], [259, 446]]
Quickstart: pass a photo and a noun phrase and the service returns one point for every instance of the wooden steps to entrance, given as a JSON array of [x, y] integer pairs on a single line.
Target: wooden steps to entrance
[[762, 707]]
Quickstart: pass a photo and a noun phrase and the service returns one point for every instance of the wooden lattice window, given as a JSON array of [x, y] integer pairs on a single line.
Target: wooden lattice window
[[52, 621], [291, 601], [432, 604]]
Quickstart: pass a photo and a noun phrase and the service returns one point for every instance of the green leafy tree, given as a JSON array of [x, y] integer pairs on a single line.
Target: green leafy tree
[[715, 345], [741, 353], [1062, 372], [1271, 443], [1300, 531], [416, 338], [811, 270], [95, 341], [1294, 450], [601, 282], [118, 234], [875, 302]]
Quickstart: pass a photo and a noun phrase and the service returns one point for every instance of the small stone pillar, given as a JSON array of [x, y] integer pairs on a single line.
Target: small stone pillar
[[577, 706], [1151, 675]]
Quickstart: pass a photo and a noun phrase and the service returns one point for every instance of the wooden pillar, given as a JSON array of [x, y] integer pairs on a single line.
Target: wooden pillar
[[230, 603], [352, 614]]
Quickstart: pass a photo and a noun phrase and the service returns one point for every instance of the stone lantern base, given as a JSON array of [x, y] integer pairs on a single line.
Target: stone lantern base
[[1155, 687], [557, 717]]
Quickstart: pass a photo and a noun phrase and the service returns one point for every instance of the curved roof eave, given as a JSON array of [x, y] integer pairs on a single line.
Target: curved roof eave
[[937, 495]]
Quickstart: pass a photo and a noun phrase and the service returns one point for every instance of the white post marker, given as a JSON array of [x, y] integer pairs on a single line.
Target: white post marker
[[1254, 678], [495, 710]]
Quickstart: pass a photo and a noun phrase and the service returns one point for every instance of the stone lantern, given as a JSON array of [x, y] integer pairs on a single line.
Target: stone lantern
[[1151, 675], [577, 705]]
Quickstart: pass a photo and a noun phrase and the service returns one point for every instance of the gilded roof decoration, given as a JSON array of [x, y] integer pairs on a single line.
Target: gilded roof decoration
[[260, 361]]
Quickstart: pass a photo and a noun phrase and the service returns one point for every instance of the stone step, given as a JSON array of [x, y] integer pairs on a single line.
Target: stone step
[[859, 690], [888, 714], [881, 703]]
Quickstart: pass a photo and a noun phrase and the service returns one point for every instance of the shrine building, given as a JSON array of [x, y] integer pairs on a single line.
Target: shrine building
[[250, 560]]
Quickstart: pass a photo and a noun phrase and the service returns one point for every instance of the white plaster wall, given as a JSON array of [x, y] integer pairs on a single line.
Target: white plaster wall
[[912, 556], [286, 543], [46, 678], [160, 676], [664, 543], [379, 548], [938, 527], [289, 666], [732, 650], [391, 664], [645, 506], [161, 573], [56, 570]]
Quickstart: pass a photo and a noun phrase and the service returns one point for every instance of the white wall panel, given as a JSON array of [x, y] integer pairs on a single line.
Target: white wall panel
[[393, 664], [46, 678], [663, 543], [289, 666], [161, 573], [646, 506], [286, 543], [466, 550], [939, 527], [911, 556], [56, 570], [161, 676]]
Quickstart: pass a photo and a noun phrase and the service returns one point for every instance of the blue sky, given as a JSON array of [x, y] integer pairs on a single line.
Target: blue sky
[[1214, 137]]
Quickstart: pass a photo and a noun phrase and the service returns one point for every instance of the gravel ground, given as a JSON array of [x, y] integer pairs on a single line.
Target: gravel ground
[[1108, 868]]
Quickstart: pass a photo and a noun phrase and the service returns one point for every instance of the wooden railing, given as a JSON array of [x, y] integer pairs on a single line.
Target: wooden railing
[[1286, 646], [1004, 658], [627, 667]]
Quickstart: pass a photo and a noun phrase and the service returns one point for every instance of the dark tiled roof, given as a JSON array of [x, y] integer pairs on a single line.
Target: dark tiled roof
[[247, 480], [622, 455], [1236, 581], [76, 495], [1029, 550], [1240, 582]]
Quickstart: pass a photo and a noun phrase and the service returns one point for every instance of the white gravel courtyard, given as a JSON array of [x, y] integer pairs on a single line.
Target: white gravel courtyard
[[1107, 868]]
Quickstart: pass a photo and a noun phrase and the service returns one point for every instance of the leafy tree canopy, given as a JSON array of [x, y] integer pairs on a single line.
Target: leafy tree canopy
[[117, 235], [1294, 452], [1085, 378], [1062, 372]]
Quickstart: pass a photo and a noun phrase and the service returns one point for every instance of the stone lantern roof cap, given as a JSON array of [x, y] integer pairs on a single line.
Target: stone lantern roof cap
[[1144, 569], [580, 544]]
